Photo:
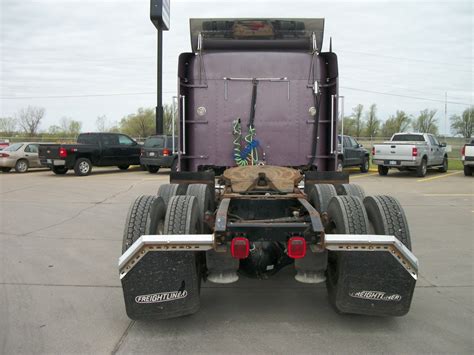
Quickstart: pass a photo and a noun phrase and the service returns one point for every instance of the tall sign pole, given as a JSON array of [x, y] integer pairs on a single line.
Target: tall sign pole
[[160, 16]]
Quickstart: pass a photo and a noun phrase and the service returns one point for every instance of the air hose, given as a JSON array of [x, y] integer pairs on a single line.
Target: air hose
[[237, 132], [249, 155]]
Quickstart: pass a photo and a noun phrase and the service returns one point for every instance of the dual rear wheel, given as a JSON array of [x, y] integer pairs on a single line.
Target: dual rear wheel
[[351, 212], [177, 209]]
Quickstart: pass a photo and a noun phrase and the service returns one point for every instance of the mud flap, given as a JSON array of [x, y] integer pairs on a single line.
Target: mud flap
[[372, 284], [162, 285]]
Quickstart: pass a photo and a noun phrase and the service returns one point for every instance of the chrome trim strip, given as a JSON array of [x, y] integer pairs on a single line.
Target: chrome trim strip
[[171, 242], [363, 242]]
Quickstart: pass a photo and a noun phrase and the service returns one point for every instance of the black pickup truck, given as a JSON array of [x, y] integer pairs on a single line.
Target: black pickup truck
[[91, 149]]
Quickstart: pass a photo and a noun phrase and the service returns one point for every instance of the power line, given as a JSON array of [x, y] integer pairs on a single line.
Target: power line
[[398, 58], [406, 96], [84, 95], [172, 92]]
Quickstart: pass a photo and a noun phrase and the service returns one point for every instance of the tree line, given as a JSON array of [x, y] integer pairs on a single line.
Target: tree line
[[26, 122], [367, 124]]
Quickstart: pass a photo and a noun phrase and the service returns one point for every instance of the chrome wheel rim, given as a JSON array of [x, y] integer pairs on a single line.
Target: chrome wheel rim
[[22, 166], [83, 167]]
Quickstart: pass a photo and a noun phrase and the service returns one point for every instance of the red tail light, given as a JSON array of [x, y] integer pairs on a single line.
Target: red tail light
[[296, 247], [62, 152], [414, 152], [463, 150], [166, 152], [373, 151], [4, 155], [240, 247]]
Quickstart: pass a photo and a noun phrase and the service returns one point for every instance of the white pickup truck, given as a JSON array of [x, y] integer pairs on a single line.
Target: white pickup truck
[[410, 151], [467, 154]]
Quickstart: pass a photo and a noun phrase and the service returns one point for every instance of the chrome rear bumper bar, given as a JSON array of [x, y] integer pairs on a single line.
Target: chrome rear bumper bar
[[333, 242], [377, 243], [171, 242]]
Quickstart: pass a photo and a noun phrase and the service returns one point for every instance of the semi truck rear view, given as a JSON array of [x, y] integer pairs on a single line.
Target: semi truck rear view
[[256, 188]]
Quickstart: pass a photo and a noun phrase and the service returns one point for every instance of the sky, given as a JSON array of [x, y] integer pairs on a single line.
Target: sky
[[83, 59]]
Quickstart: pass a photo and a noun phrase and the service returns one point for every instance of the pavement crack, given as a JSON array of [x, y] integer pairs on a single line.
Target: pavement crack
[[84, 209], [59, 223], [122, 338]]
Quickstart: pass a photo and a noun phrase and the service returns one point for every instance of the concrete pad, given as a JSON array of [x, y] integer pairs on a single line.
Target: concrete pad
[[75, 224], [34, 260], [60, 320], [282, 321]]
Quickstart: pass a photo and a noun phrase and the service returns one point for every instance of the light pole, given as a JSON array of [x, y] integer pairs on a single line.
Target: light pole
[[160, 16]]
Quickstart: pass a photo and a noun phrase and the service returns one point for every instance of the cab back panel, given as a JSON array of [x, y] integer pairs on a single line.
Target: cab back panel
[[284, 125]]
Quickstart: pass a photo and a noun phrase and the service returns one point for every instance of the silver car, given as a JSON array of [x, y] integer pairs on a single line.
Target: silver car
[[20, 156]]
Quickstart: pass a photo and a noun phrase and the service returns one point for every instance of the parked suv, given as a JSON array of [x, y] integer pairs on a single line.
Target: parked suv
[[351, 153], [159, 152]]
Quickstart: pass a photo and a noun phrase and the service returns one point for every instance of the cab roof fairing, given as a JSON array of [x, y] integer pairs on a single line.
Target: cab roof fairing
[[257, 34]]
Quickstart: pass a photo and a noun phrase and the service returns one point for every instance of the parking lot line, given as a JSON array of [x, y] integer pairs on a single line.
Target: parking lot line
[[438, 177], [362, 175]]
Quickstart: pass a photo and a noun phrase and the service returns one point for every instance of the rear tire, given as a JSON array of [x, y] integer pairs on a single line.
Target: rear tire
[[444, 168], [319, 196], [82, 167], [347, 215], [387, 217], [6, 170], [59, 170], [183, 217], [203, 194], [422, 168], [123, 167], [164, 275], [21, 166], [364, 167], [145, 216], [351, 190], [153, 169], [167, 191], [383, 170], [467, 170]]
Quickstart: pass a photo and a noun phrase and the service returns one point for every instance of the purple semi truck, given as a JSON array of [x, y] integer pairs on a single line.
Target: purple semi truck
[[256, 188]]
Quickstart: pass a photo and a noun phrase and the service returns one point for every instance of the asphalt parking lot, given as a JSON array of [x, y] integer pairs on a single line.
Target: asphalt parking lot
[[60, 239]]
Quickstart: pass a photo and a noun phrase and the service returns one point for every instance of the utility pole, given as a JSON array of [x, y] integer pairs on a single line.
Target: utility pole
[[160, 16]]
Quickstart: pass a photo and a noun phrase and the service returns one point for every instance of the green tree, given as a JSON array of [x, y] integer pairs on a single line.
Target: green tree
[[373, 123], [139, 124], [463, 125], [349, 126], [426, 122], [398, 123], [358, 122], [142, 123], [55, 130], [170, 111], [70, 127]]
